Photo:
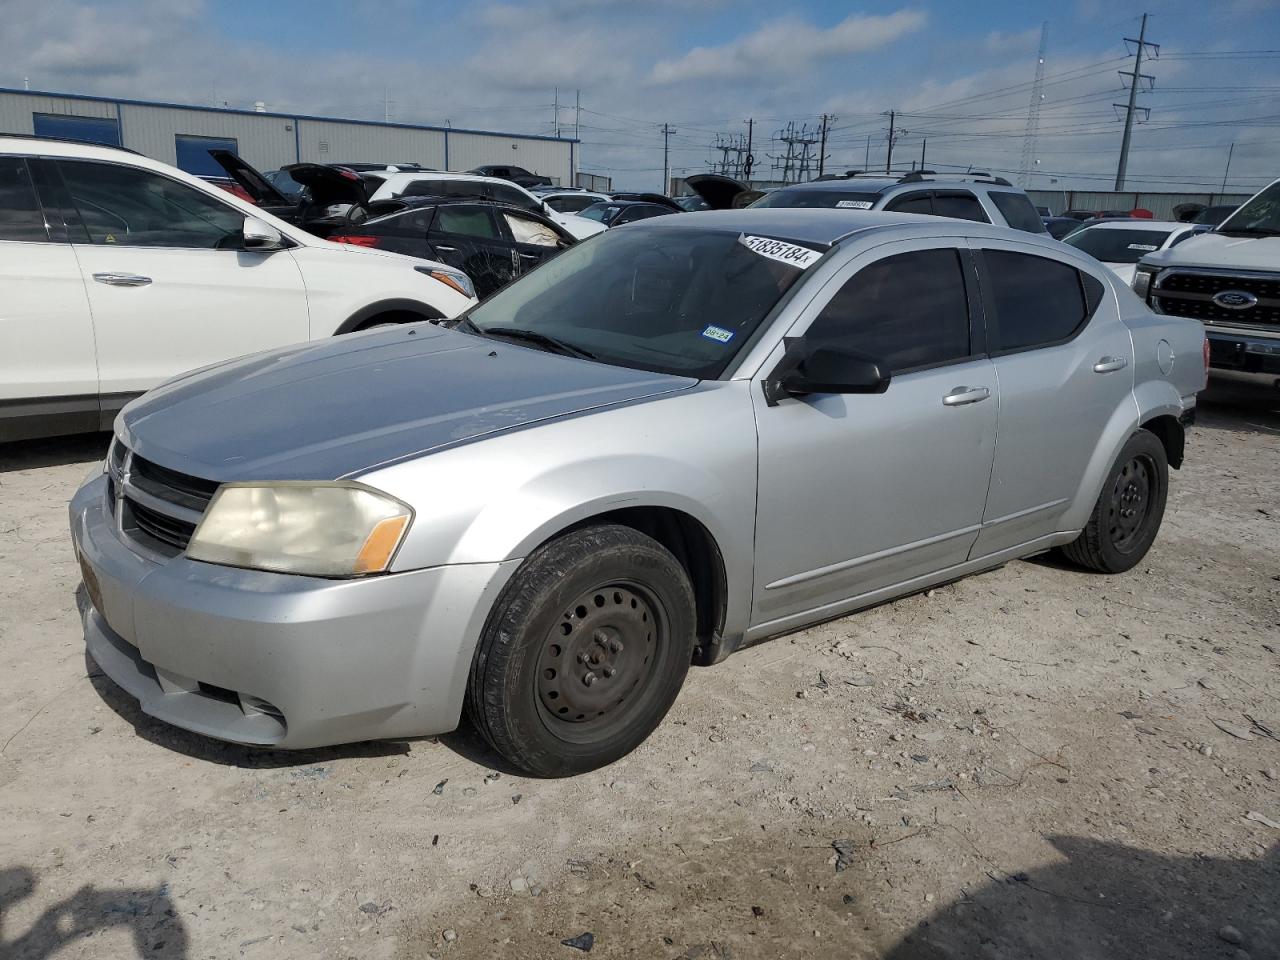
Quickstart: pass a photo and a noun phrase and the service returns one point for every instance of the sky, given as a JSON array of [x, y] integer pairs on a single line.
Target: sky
[[958, 76]]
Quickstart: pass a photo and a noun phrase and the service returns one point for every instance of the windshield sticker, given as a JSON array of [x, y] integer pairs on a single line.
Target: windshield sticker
[[788, 253], [719, 334], [854, 204], [1143, 246]]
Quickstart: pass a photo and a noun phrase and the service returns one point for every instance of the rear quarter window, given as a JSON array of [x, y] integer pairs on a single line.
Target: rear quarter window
[[1034, 301], [1017, 211]]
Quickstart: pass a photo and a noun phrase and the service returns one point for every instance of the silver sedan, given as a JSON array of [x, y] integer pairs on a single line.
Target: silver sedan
[[668, 443]]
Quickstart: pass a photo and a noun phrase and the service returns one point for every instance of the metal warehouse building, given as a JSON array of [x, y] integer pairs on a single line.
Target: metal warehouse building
[[183, 135]]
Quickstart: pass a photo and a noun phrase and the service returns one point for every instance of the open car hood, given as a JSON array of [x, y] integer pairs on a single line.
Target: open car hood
[[255, 184], [329, 185], [658, 198], [720, 192]]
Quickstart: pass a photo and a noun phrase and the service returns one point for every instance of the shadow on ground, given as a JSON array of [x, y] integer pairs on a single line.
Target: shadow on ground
[[148, 915], [1112, 902], [1239, 407], [53, 452]]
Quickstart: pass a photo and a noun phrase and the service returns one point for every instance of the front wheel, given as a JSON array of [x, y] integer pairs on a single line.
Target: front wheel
[[584, 651], [1127, 516]]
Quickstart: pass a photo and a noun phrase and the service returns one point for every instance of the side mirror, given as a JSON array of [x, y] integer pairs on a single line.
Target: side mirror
[[826, 370], [259, 235]]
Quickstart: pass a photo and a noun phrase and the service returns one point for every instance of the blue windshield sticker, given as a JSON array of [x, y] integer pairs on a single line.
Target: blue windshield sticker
[[719, 334]]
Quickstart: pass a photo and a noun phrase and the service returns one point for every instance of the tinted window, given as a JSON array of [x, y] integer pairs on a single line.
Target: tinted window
[[1035, 300], [514, 197], [911, 203], [20, 215], [908, 310], [603, 212], [569, 204], [469, 221], [1017, 211], [800, 197], [133, 207], [1116, 245], [87, 129], [193, 154], [960, 206]]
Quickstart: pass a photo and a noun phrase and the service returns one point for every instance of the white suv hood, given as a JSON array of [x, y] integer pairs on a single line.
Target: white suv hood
[[1216, 250]]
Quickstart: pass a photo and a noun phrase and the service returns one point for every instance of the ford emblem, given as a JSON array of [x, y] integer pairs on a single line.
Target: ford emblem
[[1235, 299]]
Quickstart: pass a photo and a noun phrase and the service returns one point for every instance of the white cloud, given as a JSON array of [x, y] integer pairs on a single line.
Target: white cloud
[[997, 41], [785, 45]]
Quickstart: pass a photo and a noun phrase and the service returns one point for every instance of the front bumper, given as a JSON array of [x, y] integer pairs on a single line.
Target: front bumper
[[274, 659], [1244, 353]]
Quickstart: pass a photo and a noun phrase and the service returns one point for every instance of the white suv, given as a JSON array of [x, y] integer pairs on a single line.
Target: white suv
[[425, 184], [119, 272]]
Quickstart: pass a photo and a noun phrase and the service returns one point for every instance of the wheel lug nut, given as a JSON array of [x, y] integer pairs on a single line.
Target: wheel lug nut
[[608, 672], [588, 678], [582, 658], [615, 646], [600, 637]]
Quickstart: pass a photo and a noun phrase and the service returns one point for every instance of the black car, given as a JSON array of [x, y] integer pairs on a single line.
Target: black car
[[629, 207], [492, 243], [1059, 227], [517, 175]]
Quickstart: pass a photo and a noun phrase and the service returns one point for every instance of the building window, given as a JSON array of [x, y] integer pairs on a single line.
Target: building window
[[193, 154], [87, 129]]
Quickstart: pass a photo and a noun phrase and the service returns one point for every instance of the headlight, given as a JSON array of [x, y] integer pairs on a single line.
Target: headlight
[[337, 529], [451, 278], [1142, 281]]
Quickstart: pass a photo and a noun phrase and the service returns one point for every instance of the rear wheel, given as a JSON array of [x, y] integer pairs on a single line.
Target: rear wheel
[[1127, 516], [584, 652]]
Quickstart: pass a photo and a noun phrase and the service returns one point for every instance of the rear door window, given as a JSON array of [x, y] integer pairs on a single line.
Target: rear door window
[[911, 203], [1034, 301], [959, 205], [20, 214], [466, 221], [1017, 210], [907, 311]]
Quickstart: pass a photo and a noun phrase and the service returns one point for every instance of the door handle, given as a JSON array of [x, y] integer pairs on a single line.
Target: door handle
[[122, 279], [441, 246], [959, 396], [1110, 364]]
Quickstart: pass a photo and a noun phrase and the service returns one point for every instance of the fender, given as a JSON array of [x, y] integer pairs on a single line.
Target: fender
[[416, 307], [1126, 418]]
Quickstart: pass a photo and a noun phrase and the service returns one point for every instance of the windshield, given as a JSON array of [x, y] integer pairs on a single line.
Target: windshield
[[847, 199], [603, 212], [1117, 246], [685, 306], [1260, 215]]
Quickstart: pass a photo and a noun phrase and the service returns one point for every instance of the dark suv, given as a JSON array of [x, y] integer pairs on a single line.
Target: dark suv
[[517, 175]]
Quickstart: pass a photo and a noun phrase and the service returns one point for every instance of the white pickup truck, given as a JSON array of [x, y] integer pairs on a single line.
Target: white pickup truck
[[1228, 278]]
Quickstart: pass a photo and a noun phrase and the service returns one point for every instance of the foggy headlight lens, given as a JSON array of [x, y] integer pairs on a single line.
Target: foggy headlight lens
[[316, 529], [1142, 281]]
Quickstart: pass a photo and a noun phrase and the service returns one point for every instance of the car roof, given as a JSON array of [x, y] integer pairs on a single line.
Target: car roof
[[56, 147], [829, 226], [863, 184]]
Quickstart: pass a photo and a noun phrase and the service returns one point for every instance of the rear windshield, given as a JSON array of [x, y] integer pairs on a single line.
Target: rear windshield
[[1017, 210], [684, 306], [603, 212], [1117, 246], [848, 199]]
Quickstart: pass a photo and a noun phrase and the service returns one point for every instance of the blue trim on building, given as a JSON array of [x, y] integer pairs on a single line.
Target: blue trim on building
[[282, 116]]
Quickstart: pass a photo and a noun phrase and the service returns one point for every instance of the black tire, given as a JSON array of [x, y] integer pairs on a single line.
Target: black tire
[[1127, 516], [584, 651]]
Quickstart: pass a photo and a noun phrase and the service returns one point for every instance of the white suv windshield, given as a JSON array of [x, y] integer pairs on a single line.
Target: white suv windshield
[[685, 306]]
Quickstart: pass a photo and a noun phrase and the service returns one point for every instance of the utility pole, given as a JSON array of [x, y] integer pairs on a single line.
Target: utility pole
[[387, 103], [667, 131], [555, 116], [750, 161], [822, 149], [866, 164], [1136, 76], [888, 157], [1228, 170], [577, 113], [924, 142], [1033, 113]]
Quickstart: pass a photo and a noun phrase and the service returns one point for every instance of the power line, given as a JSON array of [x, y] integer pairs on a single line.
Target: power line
[[1135, 77]]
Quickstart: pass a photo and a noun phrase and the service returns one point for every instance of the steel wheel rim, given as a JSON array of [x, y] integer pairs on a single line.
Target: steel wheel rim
[[1129, 504], [598, 659]]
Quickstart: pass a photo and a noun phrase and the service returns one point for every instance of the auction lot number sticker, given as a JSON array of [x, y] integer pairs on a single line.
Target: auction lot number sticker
[[789, 253]]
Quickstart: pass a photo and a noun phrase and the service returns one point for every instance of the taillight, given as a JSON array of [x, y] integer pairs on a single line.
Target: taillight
[[1206, 364], [356, 240]]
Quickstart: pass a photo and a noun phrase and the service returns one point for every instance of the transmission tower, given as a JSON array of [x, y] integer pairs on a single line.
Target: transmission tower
[[1033, 113], [797, 164], [732, 150]]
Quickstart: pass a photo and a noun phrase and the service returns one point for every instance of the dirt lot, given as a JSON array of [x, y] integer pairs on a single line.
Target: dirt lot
[[1036, 762]]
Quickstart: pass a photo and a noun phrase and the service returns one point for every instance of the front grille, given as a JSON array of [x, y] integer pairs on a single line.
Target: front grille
[[158, 507], [1190, 294], [158, 526]]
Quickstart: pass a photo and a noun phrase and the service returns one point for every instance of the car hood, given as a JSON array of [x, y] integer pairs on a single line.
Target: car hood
[[720, 192], [579, 227], [339, 407], [259, 188], [1220, 251], [328, 185]]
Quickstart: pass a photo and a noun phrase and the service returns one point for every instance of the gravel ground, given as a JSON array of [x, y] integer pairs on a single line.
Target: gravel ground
[[1035, 762]]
